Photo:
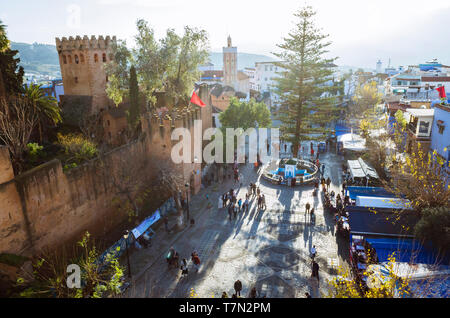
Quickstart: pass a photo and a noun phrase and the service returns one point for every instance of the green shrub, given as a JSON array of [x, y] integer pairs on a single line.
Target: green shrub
[[35, 152], [78, 147], [70, 166], [434, 226]]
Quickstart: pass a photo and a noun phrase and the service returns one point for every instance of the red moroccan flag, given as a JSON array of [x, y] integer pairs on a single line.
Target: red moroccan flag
[[196, 100], [441, 91]]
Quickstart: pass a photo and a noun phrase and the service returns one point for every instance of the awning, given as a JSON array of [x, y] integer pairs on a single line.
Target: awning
[[359, 169], [382, 202], [355, 169], [352, 142], [353, 192], [369, 171], [138, 231]]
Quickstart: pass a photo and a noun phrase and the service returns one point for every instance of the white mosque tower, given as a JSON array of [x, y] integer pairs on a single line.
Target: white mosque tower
[[379, 67]]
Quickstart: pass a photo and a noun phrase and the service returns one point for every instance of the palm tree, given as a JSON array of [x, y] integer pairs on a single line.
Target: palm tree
[[46, 106]]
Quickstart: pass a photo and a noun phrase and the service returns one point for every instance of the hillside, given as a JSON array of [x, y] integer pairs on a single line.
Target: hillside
[[244, 60], [38, 58], [43, 59]]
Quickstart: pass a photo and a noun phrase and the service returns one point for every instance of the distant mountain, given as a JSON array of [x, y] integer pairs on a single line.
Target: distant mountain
[[347, 68], [43, 58], [38, 58], [244, 60]]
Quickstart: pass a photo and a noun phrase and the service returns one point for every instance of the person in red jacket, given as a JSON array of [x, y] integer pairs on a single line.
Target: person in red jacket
[[196, 260]]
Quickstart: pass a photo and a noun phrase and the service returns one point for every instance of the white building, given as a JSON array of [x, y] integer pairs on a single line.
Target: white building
[[379, 68], [265, 73], [250, 72]]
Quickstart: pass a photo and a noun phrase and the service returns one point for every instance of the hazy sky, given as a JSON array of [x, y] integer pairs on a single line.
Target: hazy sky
[[362, 31]]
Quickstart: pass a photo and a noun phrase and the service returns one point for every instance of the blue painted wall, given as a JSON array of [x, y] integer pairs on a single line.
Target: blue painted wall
[[439, 142]]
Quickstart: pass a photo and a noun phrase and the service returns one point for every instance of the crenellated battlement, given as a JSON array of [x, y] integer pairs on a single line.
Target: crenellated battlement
[[84, 43], [182, 115]]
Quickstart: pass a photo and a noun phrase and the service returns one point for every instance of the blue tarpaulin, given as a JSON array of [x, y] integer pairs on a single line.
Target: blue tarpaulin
[[342, 130], [141, 228], [379, 192], [406, 250]]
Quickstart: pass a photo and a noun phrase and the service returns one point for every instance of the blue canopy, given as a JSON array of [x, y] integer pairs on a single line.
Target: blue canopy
[[406, 250], [379, 192], [341, 130], [141, 228]]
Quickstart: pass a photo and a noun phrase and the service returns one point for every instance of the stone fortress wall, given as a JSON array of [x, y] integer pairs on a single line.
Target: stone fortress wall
[[47, 207]]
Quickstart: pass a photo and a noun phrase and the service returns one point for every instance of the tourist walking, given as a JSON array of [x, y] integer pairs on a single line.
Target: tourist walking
[[238, 287], [184, 268], [315, 270], [323, 169], [240, 204], [235, 210], [253, 293], [308, 206], [259, 202], [246, 203], [258, 191], [313, 252], [195, 260], [328, 183], [230, 210], [263, 202]]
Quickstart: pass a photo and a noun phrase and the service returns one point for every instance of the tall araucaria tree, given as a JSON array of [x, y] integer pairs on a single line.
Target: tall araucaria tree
[[306, 98]]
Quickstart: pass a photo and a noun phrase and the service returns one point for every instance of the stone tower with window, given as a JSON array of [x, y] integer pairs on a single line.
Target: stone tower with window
[[82, 67], [229, 64]]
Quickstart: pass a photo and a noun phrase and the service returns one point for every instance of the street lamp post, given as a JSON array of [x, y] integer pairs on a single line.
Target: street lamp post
[[125, 236]]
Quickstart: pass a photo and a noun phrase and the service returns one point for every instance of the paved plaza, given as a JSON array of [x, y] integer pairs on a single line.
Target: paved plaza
[[266, 249]]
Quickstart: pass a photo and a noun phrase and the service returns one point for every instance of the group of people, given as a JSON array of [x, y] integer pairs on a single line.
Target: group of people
[[238, 289], [184, 264], [230, 201]]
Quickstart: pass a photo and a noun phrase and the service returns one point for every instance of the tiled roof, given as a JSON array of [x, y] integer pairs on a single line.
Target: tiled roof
[[435, 78], [212, 74]]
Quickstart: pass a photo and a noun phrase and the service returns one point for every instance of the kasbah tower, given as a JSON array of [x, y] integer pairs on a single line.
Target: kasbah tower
[[229, 64], [82, 67]]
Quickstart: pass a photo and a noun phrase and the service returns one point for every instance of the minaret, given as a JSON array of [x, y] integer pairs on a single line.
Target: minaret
[[379, 67], [229, 64]]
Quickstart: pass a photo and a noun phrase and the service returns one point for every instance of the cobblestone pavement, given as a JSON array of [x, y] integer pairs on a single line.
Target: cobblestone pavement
[[266, 249]]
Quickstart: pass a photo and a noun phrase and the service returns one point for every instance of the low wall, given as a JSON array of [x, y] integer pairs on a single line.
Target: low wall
[[45, 207]]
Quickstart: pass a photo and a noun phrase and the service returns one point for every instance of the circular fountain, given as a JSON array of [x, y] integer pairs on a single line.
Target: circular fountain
[[281, 170]]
